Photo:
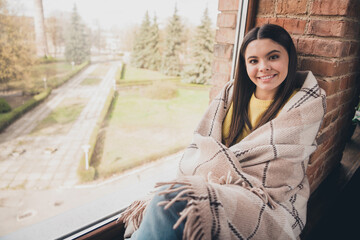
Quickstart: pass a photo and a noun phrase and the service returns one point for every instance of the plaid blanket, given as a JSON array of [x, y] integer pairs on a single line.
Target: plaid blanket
[[257, 188]]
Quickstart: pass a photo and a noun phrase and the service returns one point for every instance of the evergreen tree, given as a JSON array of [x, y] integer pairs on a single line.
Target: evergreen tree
[[200, 71], [171, 59], [140, 53], [77, 47], [154, 47]]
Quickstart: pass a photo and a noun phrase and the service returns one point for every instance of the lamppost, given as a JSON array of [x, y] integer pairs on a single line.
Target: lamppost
[[86, 151], [45, 85]]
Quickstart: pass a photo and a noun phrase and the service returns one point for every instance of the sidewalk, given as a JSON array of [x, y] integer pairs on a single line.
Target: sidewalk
[[44, 162]]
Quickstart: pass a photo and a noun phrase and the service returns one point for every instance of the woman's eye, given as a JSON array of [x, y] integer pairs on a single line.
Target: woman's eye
[[253, 61], [274, 57]]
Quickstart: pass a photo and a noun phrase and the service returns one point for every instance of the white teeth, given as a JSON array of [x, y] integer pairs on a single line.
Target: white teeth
[[267, 77]]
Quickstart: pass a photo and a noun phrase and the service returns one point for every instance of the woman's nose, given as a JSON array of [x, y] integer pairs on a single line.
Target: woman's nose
[[264, 66]]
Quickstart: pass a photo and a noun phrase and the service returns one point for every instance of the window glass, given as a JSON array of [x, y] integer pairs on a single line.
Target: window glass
[[97, 100]]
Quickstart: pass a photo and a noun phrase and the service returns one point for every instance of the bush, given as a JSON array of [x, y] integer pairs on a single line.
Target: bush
[[4, 106], [7, 118], [90, 174], [161, 90], [123, 69]]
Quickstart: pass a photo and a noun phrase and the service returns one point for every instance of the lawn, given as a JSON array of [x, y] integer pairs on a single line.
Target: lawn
[[140, 128], [60, 119], [55, 74], [142, 76], [97, 75]]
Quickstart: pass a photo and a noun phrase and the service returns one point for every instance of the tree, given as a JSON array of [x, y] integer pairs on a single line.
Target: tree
[[154, 47], [200, 70], [140, 53], [98, 40], [55, 31], [77, 48], [40, 35], [171, 60], [16, 51]]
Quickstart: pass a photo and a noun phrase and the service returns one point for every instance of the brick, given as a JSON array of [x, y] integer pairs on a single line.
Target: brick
[[261, 21], [221, 66], [325, 135], [332, 102], [336, 114], [327, 68], [223, 51], [346, 96], [292, 25], [327, 120], [292, 6], [227, 20], [266, 7], [330, 7], [218, 81], [324, 47], [347, 108], [325, 170], [354, 49], [345, 82], [330, 87], [333, 28], [228, 5], [225, 35]]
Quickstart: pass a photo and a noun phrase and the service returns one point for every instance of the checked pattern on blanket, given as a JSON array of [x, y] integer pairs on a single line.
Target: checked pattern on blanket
[[257, 188]]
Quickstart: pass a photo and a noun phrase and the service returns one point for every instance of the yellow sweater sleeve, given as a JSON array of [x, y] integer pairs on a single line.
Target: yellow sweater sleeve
[[256, 109]]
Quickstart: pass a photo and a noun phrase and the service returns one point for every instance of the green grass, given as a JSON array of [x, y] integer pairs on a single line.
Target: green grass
[[142, 76], [100, 71], [56, 73], [142, 129], [49, 69], [58, 120], [91, 81]]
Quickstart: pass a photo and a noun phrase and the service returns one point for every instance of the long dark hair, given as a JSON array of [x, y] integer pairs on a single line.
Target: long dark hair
[[244, 87]]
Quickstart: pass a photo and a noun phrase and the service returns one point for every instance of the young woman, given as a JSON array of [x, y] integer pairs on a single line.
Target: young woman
[[244, 175]]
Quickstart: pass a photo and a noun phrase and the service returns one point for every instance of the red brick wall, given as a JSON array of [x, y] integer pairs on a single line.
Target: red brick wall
[[326, 34], [224, 44]]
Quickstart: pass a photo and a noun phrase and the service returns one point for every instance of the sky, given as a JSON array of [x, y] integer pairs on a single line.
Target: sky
[[125, 13]]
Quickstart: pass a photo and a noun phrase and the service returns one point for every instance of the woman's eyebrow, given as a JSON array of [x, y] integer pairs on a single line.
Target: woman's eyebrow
[[271, 52]]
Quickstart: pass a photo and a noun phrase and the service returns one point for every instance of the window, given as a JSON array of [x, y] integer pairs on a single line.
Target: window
[[91, 66]]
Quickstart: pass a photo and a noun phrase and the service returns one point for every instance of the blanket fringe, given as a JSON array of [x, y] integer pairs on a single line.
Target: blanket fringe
[[193, 227], [134, 213], [264, 195]]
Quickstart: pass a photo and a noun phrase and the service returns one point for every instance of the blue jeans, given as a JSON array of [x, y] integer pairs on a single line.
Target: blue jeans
[[158, 223]]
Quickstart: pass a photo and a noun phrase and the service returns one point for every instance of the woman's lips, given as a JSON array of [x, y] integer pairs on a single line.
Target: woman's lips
[[267, 77]]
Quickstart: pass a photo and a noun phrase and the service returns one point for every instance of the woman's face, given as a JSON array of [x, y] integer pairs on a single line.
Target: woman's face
[[267, 66]]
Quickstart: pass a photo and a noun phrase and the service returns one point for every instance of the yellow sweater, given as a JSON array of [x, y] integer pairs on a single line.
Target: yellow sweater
[[256, 109]]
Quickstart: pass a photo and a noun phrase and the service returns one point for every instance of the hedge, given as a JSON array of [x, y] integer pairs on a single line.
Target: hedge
[[89, 175], [7, 118]]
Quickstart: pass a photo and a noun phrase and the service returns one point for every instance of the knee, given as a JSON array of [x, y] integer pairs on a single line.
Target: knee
[[168, 197]]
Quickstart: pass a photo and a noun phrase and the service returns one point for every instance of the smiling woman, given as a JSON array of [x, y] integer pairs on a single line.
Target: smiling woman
[[267, 67]]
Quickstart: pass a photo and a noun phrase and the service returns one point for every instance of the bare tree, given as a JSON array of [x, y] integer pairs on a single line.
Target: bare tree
[[55, 32], [40, 33]]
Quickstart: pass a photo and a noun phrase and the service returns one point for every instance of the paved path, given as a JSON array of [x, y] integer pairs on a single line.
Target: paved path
[[29, 161]]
